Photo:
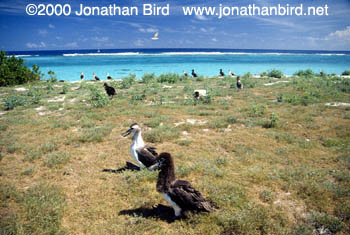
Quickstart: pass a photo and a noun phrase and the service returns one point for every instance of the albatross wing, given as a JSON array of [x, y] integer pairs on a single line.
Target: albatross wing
[[147, 155], [187, 197]]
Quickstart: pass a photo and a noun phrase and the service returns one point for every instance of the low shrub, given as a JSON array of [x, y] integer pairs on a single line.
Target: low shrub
[[346, 73], [95, 134], [169, 78], [272, 122], [57, 158], [161, 134], [148, 78], [13, 101], [98, 98], [14, 72], [128, 81], [304, 73], [52, 76], [274, 73]]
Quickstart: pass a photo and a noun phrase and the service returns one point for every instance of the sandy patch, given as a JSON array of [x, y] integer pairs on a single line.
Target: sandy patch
[[72, 101], [294, 209], [57, 99], [179, 123], [338, 104], [195, 121], [20, 89], [44, 113], [167, 87], [273, 83], [2, 113], [40, 108]]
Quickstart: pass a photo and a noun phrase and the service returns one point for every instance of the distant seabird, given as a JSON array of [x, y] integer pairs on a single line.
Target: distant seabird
[[110, 90], [231, 74], [155, 37], [185, 74], [239, 83], [222, 73], [82, 76], [194, 73], [95, 77], [144, 155], [198, 93], [178, 193], [108, 76]]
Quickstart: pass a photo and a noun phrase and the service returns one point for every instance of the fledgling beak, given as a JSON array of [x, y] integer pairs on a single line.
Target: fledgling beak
[[157, 165], [128, 132]]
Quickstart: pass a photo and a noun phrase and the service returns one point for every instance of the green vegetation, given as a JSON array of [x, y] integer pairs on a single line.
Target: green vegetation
[[274, 73], [98, 97], [14, 72], [39, 210], [270, 159], [346, 73], [128, 81]]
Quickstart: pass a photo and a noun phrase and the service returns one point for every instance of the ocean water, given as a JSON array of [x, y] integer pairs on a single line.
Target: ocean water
[[68, 65]]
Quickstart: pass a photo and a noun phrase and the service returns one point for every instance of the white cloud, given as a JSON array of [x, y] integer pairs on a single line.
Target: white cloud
[[340, 34], [51, 26], [207, 30], [100, 39], [214, 39], [34, 45], [58, 37], [42, 32], [201, 17], [148, 30], [139, 43], [71, 44]]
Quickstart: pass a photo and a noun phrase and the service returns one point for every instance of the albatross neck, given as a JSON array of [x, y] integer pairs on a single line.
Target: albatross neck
[[166, 177], [137, 138]]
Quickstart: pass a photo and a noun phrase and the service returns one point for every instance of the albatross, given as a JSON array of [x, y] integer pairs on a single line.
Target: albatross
[[95, 77], [145, 156], [178, 193]]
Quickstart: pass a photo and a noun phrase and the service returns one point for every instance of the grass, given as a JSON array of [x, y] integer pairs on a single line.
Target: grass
[[271, 160], [39, 210]]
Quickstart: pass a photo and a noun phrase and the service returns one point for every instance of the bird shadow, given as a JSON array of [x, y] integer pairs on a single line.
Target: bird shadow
[[128, 167], [161, 212]]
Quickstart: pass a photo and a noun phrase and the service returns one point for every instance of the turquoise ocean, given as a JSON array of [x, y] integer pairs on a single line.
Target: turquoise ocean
[[68, 64]]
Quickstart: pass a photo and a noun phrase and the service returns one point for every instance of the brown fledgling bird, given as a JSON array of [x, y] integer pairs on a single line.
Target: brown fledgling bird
[[110, 90], [178, 193]]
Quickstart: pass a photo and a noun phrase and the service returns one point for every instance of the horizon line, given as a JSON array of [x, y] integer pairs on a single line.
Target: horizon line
[[175, 48]]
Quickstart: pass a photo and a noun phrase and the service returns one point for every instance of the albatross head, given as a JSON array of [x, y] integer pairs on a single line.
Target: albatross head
[[133, 128]]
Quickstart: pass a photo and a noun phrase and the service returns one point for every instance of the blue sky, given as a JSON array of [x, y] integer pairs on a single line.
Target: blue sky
[[23, 32]]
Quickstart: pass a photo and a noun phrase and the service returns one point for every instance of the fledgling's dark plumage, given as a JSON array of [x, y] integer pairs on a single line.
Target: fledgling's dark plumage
[[194, 73], [179, 193], [222, 73], [110, 90], [82, 76]]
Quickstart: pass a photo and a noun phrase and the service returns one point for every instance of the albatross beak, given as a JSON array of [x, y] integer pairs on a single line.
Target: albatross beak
[[127, 132]]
